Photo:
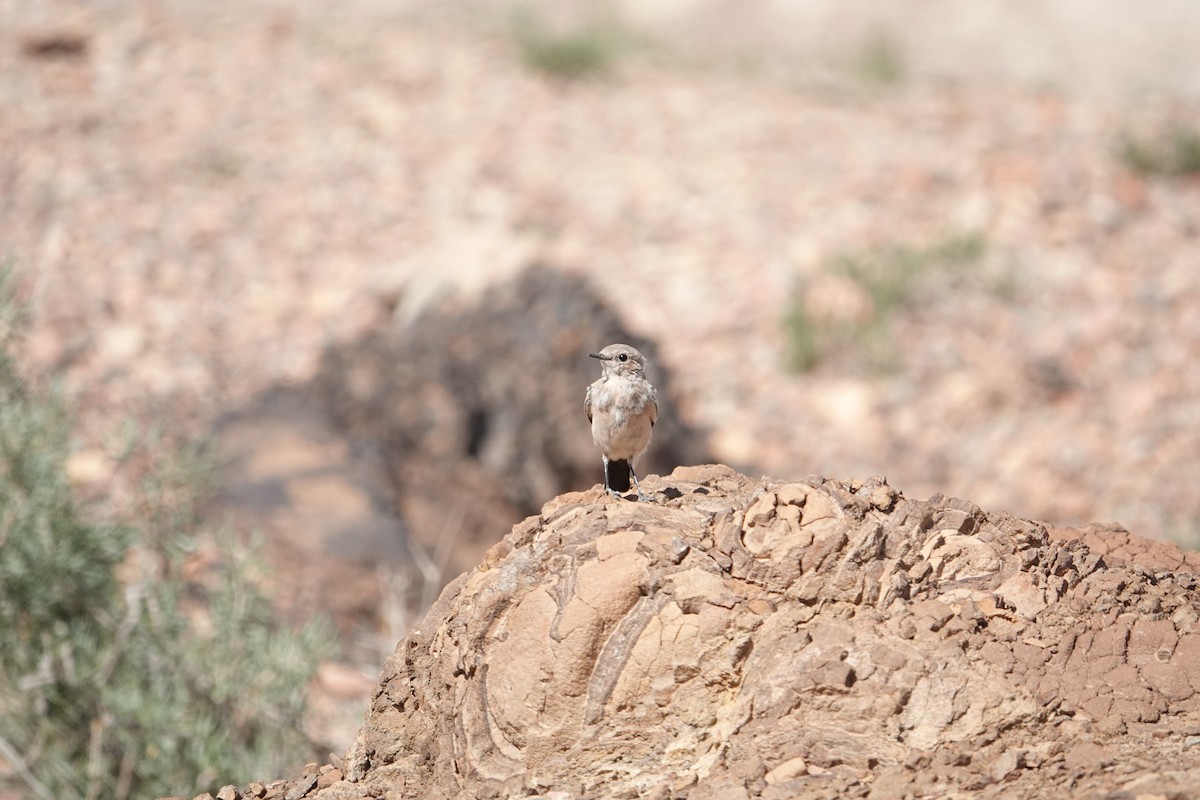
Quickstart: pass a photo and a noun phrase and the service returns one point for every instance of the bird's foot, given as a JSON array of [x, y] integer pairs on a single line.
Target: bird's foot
[[639, 497]]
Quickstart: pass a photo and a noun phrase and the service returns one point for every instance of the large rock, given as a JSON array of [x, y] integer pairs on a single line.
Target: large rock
[[750, 638]]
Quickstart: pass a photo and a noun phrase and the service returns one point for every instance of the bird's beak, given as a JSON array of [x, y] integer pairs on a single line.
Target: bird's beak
[[597, 355]]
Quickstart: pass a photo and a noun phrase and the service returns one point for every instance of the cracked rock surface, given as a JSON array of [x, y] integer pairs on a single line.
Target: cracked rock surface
[[749, 638]]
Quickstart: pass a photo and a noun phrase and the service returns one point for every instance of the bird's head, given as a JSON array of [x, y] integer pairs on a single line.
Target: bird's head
[[621, 359]]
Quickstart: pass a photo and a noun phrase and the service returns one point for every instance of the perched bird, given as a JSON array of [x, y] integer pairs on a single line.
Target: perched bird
[[622, 407]]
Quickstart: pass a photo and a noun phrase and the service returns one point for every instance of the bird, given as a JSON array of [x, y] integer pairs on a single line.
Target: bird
[[622, 408]]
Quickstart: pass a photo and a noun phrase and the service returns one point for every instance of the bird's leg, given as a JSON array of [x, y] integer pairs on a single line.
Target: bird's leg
[[608, 488], [638, 486]]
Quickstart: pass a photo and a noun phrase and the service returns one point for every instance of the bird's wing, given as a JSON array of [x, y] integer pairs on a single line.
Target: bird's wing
[[587, 403], [653, 406]]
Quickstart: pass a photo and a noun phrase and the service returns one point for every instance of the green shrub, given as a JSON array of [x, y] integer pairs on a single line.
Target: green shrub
[[589, 49], [888, 278], [1173, 151], [106, 689], [879, 61]]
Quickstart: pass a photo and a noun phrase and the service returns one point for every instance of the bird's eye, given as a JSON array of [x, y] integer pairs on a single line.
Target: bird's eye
[[623, 357]]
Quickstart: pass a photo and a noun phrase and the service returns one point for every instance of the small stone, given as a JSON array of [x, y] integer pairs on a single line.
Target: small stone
[[684, 782], [793, 494], [792, 768], [761, 607], [893, 783], [120, 343], [256, 790], [1086, 755], [678, 549], [302, 786], [935, 610], [1111, 725], [954, 758], [55, 43], [89, 467], [327, 778], [920, 571], [762, 510], [229, 793], [1007, 764], [883, 498]]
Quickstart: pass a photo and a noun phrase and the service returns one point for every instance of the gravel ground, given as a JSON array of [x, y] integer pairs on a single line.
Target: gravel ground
[[203, 196]]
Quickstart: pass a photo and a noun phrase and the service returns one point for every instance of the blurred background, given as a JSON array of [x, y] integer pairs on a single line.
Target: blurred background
[[349, 258]]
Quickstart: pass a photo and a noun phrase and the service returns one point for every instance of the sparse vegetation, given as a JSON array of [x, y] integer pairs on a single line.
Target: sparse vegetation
[[879, 61], [1173, 151], [587, 49], [883, 281], [118, 677]]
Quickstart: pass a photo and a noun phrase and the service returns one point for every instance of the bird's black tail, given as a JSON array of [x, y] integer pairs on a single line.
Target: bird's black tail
[[617, 475]]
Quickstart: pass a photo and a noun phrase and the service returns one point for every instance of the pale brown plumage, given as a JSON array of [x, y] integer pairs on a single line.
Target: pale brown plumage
[[622, 407]]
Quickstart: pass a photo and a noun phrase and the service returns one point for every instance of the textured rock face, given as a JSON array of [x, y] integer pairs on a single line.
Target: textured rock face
[[748, 638]]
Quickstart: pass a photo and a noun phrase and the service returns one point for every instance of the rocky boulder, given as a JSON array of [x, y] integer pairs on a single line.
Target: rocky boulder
[[751, 638]]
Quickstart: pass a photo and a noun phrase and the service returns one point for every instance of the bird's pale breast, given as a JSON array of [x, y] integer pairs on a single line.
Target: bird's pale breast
[[621, 418]]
